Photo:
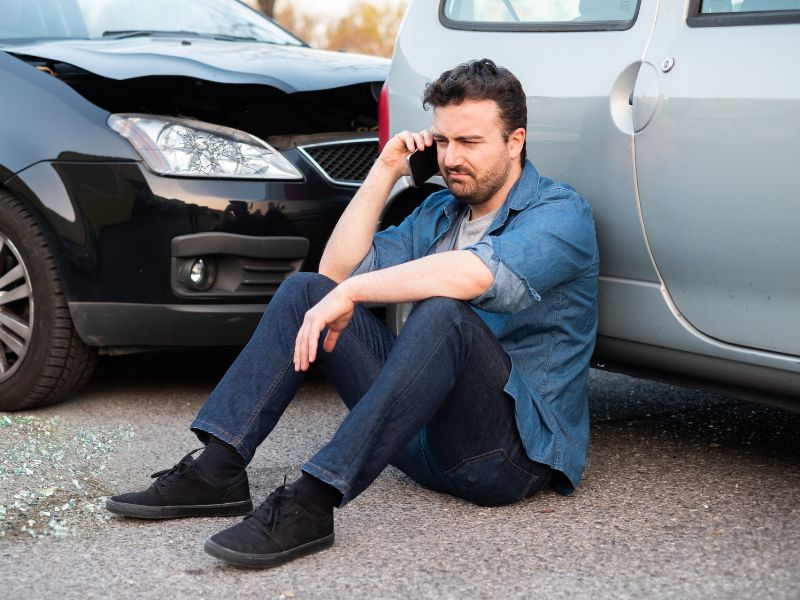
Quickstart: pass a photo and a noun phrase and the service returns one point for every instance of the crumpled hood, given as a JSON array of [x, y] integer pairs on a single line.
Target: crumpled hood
[[288, 68]]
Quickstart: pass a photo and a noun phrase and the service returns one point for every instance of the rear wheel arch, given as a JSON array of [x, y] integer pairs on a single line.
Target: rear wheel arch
[[404, 203]]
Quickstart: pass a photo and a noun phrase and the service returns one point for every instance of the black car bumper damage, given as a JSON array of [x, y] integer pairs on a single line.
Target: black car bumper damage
[[127, 241]]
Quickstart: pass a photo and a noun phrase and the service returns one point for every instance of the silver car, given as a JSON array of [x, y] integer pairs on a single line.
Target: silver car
[[680, 121]]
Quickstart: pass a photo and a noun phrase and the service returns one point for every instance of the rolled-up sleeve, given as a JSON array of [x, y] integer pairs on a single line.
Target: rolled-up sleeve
[[543, 247]]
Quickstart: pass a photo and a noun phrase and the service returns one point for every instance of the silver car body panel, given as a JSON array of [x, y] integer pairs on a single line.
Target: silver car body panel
[[719, 178], [671, 226]]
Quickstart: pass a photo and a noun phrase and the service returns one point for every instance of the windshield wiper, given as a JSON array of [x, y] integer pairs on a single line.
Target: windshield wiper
[[158, 33]]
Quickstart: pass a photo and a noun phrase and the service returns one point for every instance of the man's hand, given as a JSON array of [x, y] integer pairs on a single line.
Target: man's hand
[[334, 311], [399, 146]]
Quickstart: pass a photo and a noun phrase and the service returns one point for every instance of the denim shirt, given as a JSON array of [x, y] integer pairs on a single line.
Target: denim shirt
[[542, 306]]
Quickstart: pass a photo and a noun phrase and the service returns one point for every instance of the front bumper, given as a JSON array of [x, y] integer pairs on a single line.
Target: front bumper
[[125, 239], [125, 325]]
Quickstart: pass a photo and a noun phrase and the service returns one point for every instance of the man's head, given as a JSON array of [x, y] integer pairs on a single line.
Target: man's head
[[479, 122]]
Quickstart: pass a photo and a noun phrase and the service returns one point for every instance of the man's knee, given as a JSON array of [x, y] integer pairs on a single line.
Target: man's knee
[[440, 310], [306, 284], [297, 293]]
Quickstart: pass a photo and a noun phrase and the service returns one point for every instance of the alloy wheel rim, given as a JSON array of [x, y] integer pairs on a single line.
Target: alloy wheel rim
[[16, 309]]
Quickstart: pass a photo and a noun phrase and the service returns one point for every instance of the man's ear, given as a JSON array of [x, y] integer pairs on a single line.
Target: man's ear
[[516, 141]]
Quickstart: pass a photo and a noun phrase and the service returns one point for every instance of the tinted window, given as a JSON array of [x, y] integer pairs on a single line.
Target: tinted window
[[737, 13], [538, 11], [725, 6]]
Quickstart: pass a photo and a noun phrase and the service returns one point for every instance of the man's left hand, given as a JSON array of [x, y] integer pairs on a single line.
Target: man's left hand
[[334, 311]]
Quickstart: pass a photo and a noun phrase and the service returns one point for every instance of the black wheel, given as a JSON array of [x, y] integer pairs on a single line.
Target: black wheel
[[42, 359]]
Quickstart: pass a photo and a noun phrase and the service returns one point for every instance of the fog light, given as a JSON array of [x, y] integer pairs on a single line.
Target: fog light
[[201, 274]]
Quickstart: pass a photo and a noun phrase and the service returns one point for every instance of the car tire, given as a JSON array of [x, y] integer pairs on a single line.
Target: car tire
[[42, 359]]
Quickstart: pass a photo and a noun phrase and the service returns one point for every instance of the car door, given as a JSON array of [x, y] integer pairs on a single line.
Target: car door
[[577, 61], [717, 109]]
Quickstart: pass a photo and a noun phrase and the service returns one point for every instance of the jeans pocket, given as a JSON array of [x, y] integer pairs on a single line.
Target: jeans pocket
[[490, 479]]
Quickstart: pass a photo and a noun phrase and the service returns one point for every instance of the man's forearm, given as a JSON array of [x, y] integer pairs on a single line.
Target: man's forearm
[[458, 274], [352, 236]]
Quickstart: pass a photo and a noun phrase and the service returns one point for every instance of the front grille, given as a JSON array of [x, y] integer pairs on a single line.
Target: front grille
[[344, 162]]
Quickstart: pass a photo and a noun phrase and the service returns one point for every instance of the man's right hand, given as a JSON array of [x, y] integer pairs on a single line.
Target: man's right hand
[[399, 146]]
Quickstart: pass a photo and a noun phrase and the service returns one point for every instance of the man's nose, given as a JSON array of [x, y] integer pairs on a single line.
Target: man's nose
[[452, 156]]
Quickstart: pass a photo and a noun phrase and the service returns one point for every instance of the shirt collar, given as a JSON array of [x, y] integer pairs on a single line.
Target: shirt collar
[[525, 189], [520, 196]]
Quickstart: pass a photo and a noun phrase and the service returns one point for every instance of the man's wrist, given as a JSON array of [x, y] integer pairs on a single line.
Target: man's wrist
[[387, 172], [351, 288]]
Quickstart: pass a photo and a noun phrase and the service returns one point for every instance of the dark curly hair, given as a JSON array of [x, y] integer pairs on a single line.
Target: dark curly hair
[[481, 79]]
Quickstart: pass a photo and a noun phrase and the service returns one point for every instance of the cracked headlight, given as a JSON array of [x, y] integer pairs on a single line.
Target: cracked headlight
[[188, 148]]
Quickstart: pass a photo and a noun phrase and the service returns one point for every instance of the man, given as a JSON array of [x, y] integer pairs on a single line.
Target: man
[[483, 393]]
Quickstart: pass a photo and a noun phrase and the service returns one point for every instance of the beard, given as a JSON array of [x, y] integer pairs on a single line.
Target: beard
[[476, 189]]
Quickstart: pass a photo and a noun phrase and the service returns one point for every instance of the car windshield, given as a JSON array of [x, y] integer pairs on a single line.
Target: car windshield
[[94, 19]]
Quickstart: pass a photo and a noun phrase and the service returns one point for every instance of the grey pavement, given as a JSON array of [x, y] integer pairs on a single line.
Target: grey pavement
[[687, 494]]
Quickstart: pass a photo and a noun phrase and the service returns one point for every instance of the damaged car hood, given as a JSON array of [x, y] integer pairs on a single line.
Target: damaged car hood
[[288, 68]]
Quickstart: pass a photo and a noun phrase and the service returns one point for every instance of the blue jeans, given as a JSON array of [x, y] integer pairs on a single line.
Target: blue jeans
[[430, 401]]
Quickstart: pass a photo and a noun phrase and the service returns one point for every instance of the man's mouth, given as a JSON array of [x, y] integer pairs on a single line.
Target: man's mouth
[[456, 174]]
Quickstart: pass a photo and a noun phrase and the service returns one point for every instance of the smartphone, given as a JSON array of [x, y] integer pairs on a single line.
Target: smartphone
[[423, 165]]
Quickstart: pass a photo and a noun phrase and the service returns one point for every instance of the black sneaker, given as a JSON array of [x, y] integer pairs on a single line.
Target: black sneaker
[[279, 530], [183, 491]]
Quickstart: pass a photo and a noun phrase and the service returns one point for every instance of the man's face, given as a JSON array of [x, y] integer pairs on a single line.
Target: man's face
[[474, 156]]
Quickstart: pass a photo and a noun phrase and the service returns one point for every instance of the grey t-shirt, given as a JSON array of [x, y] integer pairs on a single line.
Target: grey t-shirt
[[465, 232], [462, 234]]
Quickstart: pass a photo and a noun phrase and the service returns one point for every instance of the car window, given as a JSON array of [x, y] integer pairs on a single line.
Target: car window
[[736, 13], [726, 6], [92, 18], [538, 12]]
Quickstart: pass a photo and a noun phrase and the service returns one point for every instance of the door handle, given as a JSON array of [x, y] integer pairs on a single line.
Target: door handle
[[645, 95]]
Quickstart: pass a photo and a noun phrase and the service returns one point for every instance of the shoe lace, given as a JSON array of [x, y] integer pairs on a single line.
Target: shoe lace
[[268, 512], [176, 470]]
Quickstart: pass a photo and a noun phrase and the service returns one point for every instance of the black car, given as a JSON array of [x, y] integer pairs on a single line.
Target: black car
[[164, 166]]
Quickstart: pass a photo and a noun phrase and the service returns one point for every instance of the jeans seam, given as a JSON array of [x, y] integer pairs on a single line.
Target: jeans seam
[[234, 439], [500, 450], [365, 350], [435, 474], [481, 328], [530, 478], [322, 473], [259, 407], [395, 400], [222, 433]]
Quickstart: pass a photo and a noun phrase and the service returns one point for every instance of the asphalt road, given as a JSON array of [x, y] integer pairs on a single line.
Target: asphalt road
[[687, 494]]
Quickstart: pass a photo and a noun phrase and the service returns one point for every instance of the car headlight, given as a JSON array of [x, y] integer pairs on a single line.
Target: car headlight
[[188, 148]]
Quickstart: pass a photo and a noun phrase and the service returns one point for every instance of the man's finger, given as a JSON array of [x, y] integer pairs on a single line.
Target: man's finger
[[330, 340], [427, 136], [302, 344], [297, 348], [313, 340], [408, 139]]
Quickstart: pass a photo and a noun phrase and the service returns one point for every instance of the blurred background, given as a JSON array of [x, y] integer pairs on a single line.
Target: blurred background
[[365, 26]]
